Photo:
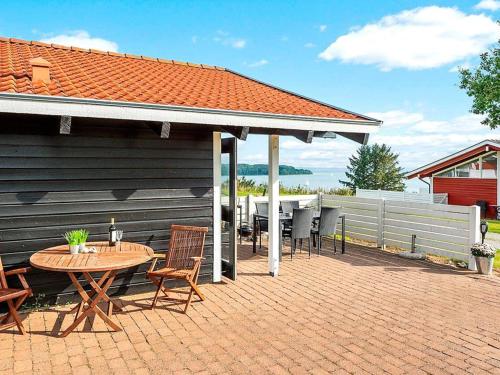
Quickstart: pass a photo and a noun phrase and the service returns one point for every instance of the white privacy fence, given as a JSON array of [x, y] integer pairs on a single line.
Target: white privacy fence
[[439, 229], [445, 230], [403, 196], [362, 216]]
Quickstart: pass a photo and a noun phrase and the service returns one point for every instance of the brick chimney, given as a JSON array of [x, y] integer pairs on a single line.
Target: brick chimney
[[41, 70]]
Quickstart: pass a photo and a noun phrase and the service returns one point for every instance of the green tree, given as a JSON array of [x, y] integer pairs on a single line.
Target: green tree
[[374, 167], [483, 85]]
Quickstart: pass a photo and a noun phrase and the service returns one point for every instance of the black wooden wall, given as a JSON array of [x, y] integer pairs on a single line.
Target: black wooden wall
[[51, 183]]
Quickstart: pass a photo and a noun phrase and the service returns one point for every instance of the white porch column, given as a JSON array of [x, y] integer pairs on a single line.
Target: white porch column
[[217, 259], [274, 204]]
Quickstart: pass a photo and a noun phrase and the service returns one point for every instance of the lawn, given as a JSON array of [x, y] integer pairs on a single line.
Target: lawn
[[496, 262], [494, 226]]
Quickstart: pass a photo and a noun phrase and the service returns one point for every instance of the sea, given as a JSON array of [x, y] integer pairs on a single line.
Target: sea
[[327, 178]]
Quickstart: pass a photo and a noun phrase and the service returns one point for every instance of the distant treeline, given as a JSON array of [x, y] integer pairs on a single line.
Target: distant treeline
[[261, 170]]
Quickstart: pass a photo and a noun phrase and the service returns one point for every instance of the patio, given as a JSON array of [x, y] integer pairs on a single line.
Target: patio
[[363, 312]]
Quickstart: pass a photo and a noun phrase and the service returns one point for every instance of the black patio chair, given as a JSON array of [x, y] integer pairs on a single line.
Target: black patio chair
[[300, 229], [262, 208], [326, 226]]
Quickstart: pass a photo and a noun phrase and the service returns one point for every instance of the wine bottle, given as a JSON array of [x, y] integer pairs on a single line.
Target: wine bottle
[[112, 233]]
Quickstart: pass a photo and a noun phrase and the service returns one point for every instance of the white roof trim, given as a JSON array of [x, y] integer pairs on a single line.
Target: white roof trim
[[93, 108], [486, 142]]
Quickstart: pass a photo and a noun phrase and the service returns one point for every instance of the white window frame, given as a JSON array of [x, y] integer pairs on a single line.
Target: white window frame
[[437, 174]]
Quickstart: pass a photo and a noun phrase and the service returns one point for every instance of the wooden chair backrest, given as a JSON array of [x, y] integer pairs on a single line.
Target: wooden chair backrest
[[3, 280], [185, 242]]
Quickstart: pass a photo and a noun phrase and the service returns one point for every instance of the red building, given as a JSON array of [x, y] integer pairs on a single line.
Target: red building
[[467, 176]]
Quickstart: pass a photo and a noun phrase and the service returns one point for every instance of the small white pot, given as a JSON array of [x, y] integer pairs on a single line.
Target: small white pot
[[484, 265], [82, 248], [73, 249]]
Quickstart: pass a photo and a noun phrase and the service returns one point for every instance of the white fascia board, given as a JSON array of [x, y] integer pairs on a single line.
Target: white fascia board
[[92, 108], [449, 157]]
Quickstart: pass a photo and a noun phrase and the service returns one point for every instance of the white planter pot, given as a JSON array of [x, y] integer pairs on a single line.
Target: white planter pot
[[73, 249], [484, 265], [81, 248]]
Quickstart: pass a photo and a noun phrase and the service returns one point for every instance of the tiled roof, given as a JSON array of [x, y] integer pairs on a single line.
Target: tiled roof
[[81, 73]]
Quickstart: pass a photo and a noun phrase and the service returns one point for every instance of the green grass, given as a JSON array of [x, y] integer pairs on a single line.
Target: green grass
[[496, 262], [494, 226]]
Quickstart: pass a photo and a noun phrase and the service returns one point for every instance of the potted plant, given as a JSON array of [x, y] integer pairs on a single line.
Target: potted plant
[[484, 255], [73, 239], [82, 240]]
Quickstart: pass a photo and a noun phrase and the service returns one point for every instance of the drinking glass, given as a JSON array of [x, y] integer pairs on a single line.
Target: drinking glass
[[119, 235]]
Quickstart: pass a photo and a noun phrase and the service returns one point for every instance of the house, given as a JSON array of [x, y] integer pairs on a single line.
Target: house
[[467, 176], [87, 135]]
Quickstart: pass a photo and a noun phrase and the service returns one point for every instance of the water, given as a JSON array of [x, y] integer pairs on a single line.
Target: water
[[325, 178]]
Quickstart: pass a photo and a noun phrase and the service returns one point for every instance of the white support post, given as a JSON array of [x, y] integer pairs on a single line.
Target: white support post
[[474, 232], [274, 203], [320, 200], [217, 258], [249, 208]]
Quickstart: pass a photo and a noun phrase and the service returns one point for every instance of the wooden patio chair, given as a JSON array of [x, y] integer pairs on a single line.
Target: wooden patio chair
[[182, 261], [13, 297]]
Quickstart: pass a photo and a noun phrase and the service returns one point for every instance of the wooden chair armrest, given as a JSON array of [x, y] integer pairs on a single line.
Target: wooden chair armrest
[[155, 257], [198, 258], [17, 271]]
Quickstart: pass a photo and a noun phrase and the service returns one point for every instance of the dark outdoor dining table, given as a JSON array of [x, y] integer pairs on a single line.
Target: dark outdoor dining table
[[287, 217]]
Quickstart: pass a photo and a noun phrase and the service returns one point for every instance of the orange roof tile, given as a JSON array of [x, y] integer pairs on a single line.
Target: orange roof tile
[[81, 73]]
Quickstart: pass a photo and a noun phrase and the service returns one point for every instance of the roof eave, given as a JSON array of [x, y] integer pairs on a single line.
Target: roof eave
[[421, 172], [84, 107]]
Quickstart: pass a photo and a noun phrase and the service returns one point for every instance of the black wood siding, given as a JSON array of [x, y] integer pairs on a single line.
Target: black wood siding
[[50, 183]]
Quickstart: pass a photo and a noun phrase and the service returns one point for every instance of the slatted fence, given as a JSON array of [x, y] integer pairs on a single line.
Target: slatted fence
[[446, 230], [362, 215], [440, 229]]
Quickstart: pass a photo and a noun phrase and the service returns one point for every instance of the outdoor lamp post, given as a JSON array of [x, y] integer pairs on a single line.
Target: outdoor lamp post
[[483, 227]]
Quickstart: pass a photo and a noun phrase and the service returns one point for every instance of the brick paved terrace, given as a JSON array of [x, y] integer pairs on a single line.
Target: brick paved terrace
[[362, 312]]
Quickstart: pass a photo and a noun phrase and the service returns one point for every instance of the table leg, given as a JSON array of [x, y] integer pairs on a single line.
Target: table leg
[[92, 303], [97, 286], [79, 308], [343, 234]]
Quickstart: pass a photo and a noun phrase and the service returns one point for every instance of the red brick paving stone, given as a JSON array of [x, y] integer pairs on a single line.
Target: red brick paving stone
[[362, 312]]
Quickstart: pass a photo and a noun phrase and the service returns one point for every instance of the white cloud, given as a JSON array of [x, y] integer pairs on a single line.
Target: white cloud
[[396, 118], [456, 68], [258, 63], [82, 39], [322, 28], [492, 5], [419, 38], [238, 43], [417, 138], [226, 39], [309, 45], [469, 123]]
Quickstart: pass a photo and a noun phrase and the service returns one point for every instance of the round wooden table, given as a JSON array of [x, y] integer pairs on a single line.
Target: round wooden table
[[108, 259]]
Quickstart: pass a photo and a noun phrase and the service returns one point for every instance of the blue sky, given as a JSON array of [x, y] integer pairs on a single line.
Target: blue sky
[[394, 60]]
